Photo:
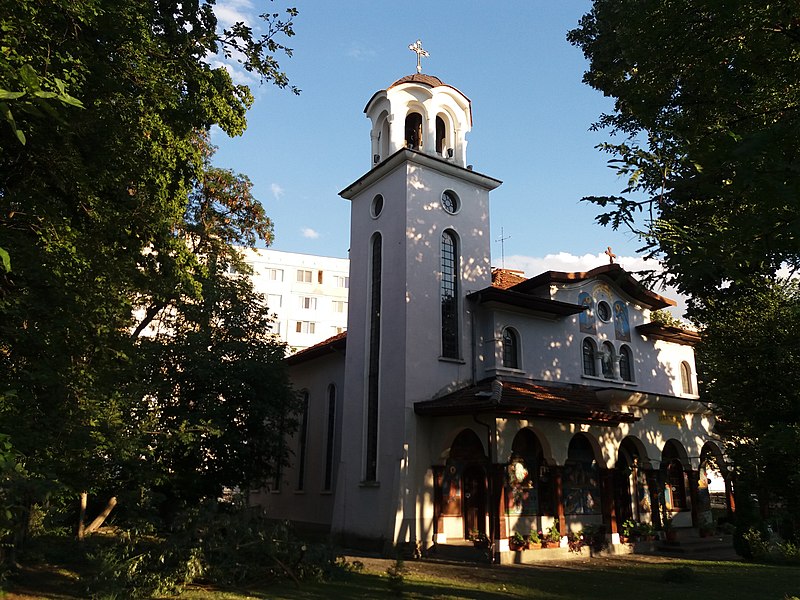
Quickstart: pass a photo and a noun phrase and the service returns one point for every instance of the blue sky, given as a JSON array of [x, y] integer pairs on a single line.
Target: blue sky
[[531, 119]]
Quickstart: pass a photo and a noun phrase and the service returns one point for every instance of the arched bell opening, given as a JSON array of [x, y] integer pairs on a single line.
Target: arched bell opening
[[413, 131]]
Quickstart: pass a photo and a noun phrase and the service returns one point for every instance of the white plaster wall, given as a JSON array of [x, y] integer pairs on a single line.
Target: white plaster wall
[[551, 350], [313, 504]]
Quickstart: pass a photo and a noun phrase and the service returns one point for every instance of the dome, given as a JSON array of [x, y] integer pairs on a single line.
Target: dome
[[430, 80]]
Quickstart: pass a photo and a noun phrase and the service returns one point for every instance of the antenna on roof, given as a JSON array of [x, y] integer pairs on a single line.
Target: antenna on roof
[[502, 239]]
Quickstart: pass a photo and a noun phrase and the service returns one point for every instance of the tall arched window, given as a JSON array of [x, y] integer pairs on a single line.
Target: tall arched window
[[414, 131], [449, 295], [301, 450], [607, 360], [510, 348], [589, 351], [373, 367], [625, 363], [686, 378], [330, 438]]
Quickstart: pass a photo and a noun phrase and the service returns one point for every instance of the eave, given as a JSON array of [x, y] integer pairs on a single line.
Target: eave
[[383, 168], [494, 297], [669, 333]]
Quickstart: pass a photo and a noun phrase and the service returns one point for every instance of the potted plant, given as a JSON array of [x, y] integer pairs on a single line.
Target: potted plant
[[479, 539], [628, 530], [575, 541], [518, 541], [535, 539], [552, 539]]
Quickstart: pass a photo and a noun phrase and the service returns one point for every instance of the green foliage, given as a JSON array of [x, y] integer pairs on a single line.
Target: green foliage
[[705, 98], [100, 207], [679, 575], [664, 317], [534, 537], [396, 573]]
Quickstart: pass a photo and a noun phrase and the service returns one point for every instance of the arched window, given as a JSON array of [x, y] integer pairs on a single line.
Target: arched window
[[607, 360], [625, 363], [686, 378], [510, 348], [589, 352], [330, 438], [414, 131], [523, 484], [449, 295], [301, 450], [373, 370]]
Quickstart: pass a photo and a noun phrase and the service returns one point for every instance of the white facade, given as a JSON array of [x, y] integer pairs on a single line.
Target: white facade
[[446, 383], [307, 293]]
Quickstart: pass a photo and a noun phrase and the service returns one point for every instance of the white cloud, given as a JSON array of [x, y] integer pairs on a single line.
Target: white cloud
[[229, 12], [277, 190], [360, 52], [309, 233], [564, 261]]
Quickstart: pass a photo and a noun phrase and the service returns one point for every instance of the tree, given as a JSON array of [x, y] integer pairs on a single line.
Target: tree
[[707, 99], [750, 356], [91, 206], [218, 396]]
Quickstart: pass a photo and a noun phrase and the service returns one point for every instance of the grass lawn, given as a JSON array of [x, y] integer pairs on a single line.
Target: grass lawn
[[598, 578], [618, 578]]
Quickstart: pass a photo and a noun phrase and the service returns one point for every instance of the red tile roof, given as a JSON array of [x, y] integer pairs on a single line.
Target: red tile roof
[[430, 80], [505, 278], [337, 343]]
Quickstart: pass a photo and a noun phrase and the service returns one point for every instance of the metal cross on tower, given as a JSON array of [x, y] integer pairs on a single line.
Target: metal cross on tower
[[417, 47]]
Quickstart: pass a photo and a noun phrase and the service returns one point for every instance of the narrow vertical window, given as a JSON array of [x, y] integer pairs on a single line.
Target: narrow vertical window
[[301, 451], [329, 439], [510, 349], [449, 296], [686, 378], [588, 358], [607, 360], [625, 364], [440, 136], [371, 466]]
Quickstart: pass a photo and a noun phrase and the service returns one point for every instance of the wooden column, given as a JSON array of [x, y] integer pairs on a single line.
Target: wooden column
[[438, 522], [558, 473], [730, 500], [693, 477], [502, 521], [608, 505]]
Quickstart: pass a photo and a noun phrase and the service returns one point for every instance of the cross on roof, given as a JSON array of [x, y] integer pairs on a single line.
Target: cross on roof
[[417, 47], [611, 255]]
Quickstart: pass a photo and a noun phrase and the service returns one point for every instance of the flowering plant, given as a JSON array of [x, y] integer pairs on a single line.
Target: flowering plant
[[535, 537]]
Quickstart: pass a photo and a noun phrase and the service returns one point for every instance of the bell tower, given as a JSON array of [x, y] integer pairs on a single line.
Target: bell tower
[[419, 244]]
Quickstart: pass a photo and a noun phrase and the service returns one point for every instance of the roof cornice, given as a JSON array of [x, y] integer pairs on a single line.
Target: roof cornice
[[420, 158]]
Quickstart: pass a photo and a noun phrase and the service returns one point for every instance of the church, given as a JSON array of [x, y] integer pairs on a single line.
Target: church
[[465, 400]]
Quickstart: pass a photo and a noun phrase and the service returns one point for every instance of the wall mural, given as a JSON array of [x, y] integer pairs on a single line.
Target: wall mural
[[587, 322], [622, 328]]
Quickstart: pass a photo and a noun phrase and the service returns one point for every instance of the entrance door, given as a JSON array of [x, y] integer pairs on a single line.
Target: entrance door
[[474, 479]]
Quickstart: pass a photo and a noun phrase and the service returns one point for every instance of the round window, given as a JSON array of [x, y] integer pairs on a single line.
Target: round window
[[450, 202], [604, 311], [377, 206]]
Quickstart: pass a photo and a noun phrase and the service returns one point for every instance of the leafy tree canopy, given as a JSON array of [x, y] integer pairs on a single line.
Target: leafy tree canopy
[[707, 98], [99, 209]]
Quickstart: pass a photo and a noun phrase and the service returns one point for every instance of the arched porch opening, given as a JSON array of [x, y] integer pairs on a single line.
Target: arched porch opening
[[581, 482], [632, 493], [460, 495], [714, 488], [674, 476], [530, 491]]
